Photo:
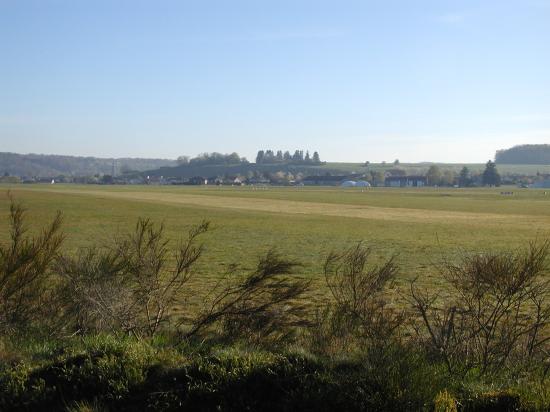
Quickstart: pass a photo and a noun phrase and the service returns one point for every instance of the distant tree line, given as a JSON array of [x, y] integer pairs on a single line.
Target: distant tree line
[[489, 177], [531, 154], [270, 157], [213, 158], [30, 165]]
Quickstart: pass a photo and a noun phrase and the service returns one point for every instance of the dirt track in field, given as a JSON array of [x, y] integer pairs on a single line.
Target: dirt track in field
[[315, 208]]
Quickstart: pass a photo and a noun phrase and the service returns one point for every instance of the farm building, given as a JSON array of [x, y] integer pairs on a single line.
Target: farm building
[[406, 181], [543, 184]]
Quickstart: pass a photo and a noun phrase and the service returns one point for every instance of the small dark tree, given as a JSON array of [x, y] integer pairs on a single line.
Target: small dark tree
[[464, 178], [307, 159], [287, 156], [183, 160], [491, 176], [316, 159], [298, 156], [269, 156], [260, 157]]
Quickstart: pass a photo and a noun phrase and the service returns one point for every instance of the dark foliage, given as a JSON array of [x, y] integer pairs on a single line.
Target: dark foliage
[[529, 154], [56, 165], [215, 158], [119, 377], [490, 176], [298, 158]]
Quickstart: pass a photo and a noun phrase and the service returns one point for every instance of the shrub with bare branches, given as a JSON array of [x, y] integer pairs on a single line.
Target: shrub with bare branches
[[261, 304], [25, 269], [361, 307], [496, 314], [131, 286]]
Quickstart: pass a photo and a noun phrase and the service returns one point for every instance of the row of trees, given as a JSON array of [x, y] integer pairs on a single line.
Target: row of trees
[[489, 177], [263, 157], [270, 157], [213, 158]]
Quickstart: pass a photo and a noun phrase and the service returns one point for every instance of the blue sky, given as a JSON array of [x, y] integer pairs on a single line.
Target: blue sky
[[356, 80]]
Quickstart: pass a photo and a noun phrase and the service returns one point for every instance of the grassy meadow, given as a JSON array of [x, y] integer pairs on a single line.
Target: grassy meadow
[[421, 226], [83, 351]]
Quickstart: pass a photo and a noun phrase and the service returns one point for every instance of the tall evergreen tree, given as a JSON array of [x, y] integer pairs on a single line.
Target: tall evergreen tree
[[269, 156], [287, 157], [316, 158], [490, 175], [464, 178], [307, 158], [260, 157]]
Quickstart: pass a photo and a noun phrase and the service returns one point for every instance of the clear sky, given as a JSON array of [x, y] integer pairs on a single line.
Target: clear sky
[[356, 80]]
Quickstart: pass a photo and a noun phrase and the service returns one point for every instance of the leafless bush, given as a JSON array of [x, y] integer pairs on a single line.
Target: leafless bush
[[130, 286], [25, 269], [260, 304], [497, 312], [360, 308]]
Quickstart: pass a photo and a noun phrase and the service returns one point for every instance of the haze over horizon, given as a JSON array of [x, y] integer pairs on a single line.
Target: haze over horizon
[[433, 81]]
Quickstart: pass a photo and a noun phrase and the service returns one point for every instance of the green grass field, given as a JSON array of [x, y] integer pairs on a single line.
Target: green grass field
[[420, 225]]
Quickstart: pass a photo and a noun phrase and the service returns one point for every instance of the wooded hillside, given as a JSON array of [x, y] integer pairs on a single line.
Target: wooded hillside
[[528, 154], [55, 165]]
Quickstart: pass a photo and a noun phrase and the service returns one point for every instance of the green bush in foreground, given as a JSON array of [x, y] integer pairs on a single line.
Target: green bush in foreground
[[133, 376], [102, 373]]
